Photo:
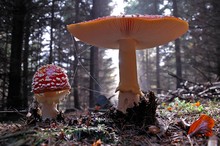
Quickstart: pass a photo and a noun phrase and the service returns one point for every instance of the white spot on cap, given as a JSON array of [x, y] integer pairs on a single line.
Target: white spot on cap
[[58, 79], [63, 78]]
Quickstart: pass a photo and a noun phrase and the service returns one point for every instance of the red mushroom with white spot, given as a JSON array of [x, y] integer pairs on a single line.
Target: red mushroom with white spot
[[129, 33], [50, 86]]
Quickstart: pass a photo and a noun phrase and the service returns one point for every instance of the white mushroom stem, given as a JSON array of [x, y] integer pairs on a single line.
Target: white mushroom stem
[[49, 110], [49, 101], [129, 90]]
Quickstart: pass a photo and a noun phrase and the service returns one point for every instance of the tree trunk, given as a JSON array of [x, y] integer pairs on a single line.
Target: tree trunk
[[14, 99], [51, 32], [156, 4], [178, 62], [92, 76], [5, 70], [216, 10], [177, 50], [75, 80], [148, 79], [25, 61], [158, 69], [94, 58], [76, 62]]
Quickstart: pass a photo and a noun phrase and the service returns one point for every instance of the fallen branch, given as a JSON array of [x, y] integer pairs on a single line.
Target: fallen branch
[[17, 134], [190, 90]]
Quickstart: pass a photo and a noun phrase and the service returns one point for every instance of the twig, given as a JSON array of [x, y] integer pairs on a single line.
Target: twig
[[16, 111], [190, 141], [17, 134], [179, 78], [19, 142], [202, 74]]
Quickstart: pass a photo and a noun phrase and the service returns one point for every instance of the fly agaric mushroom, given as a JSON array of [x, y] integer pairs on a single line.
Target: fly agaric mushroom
[[50, 85], [129, 33]]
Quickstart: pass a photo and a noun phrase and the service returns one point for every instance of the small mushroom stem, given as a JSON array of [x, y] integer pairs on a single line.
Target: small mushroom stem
[[49, 101], [129, 90], [49, 110]]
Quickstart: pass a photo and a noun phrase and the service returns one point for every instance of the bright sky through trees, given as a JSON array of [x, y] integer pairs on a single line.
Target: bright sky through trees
[[117, 10]]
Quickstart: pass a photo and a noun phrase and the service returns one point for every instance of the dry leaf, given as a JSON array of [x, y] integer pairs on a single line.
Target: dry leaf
[[153, 129], [97, 143], [197, 104], [203, 125]]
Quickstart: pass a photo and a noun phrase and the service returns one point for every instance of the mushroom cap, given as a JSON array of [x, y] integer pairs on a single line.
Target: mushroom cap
[[50, 78], [146, 30]]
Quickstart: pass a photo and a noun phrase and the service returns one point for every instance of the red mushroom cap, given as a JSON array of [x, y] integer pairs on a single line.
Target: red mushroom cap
[[50, 78]]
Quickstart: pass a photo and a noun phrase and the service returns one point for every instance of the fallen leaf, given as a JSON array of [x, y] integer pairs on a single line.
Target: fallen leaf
[[169, 109], [153, 129], [201, 126], [197, 104], [97, 143]]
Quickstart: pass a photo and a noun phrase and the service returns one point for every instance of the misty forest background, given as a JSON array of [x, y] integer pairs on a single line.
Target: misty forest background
[[33, 33]]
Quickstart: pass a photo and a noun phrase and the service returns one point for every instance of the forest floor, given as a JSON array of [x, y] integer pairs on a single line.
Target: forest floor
[[96, 128]]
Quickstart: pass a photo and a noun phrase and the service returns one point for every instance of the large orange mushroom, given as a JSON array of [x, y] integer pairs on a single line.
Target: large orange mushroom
[[129, 33]]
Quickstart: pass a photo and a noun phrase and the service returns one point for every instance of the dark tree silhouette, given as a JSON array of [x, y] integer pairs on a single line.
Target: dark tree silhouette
[[14, 99]]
